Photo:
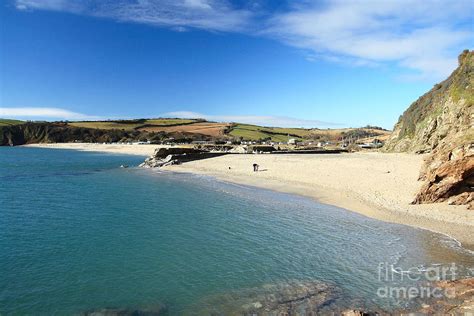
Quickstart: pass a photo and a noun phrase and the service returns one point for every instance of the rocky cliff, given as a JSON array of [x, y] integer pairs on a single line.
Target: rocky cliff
[[60, 132], [29, 133], [441, 123]]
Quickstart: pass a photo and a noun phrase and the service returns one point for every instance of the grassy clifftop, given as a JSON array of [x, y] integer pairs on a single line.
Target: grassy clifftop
[[62, 132], [443, 112], [7, 122], [130, 125], [168, 129]]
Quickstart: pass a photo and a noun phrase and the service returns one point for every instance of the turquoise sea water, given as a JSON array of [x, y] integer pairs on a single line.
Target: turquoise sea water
[[79, 233]]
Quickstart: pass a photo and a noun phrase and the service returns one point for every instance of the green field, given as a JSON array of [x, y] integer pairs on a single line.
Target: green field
[[280, 134], [246, 132], [129, 125], [169, 122], [105, 125], [7, 122], [276, 134]]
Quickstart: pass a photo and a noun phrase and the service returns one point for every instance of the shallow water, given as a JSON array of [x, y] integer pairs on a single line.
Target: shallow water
[[79, 233]]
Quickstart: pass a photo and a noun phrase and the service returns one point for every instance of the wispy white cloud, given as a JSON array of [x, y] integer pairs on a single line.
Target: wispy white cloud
[[264, 120], [421, 37], [43, 113], [212, 15], [424, 36], [55, 5]]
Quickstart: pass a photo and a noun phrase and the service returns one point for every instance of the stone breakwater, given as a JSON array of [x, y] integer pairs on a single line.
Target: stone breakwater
[[176, 155]]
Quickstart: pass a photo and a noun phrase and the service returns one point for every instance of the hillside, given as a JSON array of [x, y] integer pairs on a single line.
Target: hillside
[[443, 112], [89, 132], [129, 125], [7, 122], [169, 130], [441, 122], [232, 131], [280, 134]]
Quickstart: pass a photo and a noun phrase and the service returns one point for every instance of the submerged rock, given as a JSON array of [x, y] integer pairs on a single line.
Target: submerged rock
[[460, 302], [157, 311], [311, 298], [294, 298], [316, 298], [355, 312]]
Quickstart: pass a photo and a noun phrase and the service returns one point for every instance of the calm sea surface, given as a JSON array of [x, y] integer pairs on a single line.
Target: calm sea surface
[[79, 233]]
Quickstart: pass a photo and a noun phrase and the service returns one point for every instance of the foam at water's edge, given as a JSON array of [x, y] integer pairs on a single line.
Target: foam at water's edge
[[457, 244], [450, 241]]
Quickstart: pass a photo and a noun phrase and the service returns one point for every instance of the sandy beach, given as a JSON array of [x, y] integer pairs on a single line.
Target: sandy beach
[[378, 185], [132, 149]]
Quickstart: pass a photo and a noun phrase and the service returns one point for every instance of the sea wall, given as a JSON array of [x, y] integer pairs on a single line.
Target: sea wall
[[177, 155]]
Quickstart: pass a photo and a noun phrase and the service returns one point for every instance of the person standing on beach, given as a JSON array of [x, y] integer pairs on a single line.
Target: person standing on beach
[[255, 167]]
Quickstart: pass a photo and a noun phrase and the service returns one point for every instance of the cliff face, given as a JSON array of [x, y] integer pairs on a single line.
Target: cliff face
[[54, 133], [442, 114], [441, 122], [57, 132]]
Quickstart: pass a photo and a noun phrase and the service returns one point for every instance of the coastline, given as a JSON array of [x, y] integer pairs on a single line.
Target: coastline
[[377, 185], [343, 180], [132, 149]]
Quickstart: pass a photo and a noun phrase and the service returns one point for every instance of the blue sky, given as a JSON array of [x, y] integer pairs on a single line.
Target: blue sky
[[296, 63]]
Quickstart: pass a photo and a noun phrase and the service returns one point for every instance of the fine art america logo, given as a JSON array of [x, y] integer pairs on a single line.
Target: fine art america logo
[[423, 281]]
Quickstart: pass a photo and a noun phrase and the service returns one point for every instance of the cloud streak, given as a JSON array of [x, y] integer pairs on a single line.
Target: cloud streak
[[264, 120], [421, 37], [43, 113], [424, 36], [212, 15]]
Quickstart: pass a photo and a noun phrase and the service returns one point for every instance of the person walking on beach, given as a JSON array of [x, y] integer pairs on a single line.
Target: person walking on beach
[[255, 167]]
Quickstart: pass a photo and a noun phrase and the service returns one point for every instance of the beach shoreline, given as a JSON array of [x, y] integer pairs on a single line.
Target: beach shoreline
[[126, 149], [460, 232], [377, 185], [372, 196]]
